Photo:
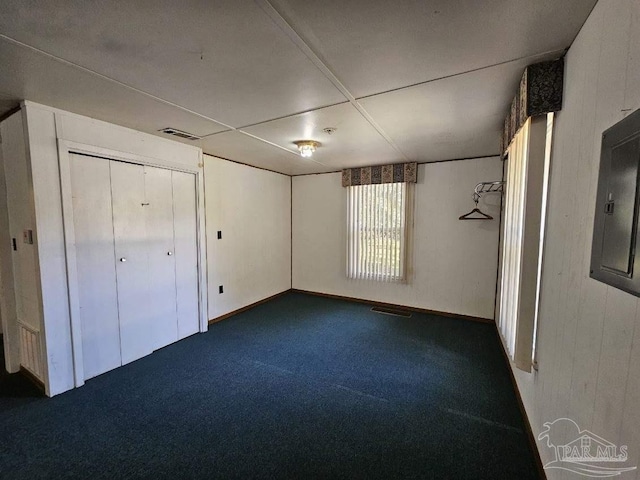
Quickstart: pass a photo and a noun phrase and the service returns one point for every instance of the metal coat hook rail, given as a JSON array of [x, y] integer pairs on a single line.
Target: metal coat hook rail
[[481, 189], [487, 187]]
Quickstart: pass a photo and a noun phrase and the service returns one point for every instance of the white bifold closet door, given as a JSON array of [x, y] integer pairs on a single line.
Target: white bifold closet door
[[136, 257], [96, 264], [173, 255], [132, 267], [162, 266], [186, 252]]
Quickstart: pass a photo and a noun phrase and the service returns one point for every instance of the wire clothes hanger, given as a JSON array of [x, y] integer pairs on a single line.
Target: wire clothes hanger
[[482, 188], [482, 215]]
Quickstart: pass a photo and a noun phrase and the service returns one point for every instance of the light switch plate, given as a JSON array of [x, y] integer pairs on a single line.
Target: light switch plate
[[27, 237]]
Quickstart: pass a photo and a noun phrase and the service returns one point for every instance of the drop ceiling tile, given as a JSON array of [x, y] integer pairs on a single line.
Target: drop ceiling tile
[[354, 143], [374, 47], [245, 149], [226, 59], [458, 117], [29, 75]]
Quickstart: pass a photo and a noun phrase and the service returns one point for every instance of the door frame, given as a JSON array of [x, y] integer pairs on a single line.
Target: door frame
[[65, 149]]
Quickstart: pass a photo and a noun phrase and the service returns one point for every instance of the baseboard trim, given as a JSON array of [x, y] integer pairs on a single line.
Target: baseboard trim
[[396, 306], [247, 307], [32, 378], [527, 423]]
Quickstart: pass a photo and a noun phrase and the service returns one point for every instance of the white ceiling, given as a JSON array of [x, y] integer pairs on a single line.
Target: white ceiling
[[422, 80]]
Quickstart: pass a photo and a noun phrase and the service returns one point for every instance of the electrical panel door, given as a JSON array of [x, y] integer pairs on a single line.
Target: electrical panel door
[[615, 236], [620, 206]]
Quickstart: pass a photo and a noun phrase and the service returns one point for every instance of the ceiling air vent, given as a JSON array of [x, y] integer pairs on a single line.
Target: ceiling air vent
[[179, 133]]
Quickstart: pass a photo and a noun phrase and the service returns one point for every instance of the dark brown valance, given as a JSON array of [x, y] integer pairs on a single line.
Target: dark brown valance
[[396, 173], [540, 92]]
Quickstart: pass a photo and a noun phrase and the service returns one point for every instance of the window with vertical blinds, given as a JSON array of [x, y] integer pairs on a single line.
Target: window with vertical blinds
[[527, 177], [377, 219]]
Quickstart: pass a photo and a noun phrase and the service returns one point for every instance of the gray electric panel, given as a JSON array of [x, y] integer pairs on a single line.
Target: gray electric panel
[[615, 232]]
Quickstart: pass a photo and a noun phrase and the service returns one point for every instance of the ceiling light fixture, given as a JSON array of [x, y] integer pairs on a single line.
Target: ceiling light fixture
[[307, 147]]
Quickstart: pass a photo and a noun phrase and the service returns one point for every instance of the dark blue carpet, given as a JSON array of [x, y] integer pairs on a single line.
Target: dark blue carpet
[[299, 387]]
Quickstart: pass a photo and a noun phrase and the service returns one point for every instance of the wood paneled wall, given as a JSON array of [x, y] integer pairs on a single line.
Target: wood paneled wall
[[589, 333], [252, 209]]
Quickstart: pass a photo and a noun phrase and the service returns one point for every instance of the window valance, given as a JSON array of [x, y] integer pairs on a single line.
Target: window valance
[[396, 173], [540, 92]]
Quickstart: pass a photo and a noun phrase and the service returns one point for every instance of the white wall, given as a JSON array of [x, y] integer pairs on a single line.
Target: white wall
[[589, 333], [7, 295], [454, 262], [21, 217], [252, 208], [46, 129], [20, 299]]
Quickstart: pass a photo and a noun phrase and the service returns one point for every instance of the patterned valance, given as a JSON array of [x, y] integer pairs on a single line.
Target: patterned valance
[[540, 92], [396, 173]]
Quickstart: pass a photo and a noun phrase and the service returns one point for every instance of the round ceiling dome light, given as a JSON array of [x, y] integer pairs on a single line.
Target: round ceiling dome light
[[307, 147]]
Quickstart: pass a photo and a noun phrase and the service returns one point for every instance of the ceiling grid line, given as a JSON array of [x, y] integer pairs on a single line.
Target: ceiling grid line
[[559, 52], [284, 117], [105, 77], [147, 94], [415, 80], [300, 42]]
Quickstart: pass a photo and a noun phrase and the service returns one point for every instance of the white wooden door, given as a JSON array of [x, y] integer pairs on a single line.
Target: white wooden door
[[132, 264], [162, 261], [95, 262], [135, 230], [186, 252]]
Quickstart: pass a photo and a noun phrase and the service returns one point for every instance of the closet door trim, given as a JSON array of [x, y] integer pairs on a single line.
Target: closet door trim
[[67, 147]]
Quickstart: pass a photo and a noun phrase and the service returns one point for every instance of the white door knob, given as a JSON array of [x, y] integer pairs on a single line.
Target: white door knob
[[123, 259], [169, 253]]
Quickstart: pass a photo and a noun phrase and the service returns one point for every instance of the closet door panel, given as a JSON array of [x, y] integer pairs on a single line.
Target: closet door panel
[[186, 252], [132, 266], [160, 248], [95, 262]]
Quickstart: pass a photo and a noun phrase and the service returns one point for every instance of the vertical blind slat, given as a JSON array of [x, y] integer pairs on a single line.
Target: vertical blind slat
[[513, 238], [367, 225], [386, 262], [373, 234], [364, 226], [397, 222], [393, 228], [382, 224]]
